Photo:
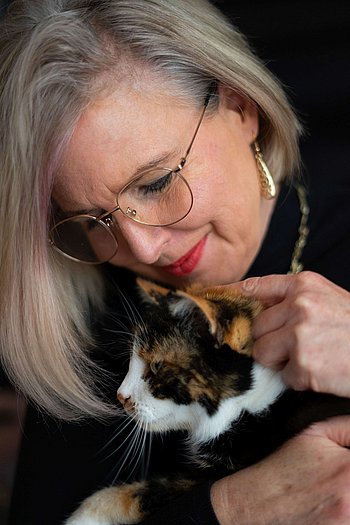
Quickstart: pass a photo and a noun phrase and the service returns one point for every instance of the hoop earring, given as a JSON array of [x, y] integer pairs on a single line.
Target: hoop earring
[[268, 187]]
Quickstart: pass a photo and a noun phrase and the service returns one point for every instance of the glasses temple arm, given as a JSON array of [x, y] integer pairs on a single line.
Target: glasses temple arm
[[206, 102]]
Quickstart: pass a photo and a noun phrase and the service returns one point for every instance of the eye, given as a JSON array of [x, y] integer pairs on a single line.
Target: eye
[[92, 224], [156, 366], [158, 185]]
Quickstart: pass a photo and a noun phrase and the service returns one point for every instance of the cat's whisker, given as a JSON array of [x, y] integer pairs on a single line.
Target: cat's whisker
[[119, 467], [139, 450], [132, 450], [121, 321], [130, 307], [119, 332], [132, 432], [147, 446], [123, 426], [125, 353]]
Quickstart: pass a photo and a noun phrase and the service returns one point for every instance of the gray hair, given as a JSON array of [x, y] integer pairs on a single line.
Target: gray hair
[[56, 56]]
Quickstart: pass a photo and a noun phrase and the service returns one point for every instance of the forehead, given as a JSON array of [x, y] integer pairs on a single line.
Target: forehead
[[116, 134]]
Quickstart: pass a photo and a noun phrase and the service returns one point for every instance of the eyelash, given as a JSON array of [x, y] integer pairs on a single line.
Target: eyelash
[[92, 225], [159, 185]]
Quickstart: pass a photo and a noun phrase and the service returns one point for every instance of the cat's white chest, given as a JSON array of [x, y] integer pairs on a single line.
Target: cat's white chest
[[267, 386]]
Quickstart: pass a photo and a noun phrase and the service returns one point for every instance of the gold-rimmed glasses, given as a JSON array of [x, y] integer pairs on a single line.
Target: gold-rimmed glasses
[[156, 197]]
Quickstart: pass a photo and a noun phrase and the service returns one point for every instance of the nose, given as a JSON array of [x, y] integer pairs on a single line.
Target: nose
[[127, 401], [145, 242]]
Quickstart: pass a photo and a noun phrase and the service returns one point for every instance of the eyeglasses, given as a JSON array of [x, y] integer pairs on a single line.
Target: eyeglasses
[[156, 197]]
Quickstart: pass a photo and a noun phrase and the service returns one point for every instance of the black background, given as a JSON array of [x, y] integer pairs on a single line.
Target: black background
[[307, 45]]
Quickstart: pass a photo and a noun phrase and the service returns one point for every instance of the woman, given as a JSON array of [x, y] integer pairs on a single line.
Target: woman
[[143, 135]]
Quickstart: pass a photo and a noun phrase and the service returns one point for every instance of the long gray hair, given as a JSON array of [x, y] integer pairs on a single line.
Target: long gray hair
[[56, 56]]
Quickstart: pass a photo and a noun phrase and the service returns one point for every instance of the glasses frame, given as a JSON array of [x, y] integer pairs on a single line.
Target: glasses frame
[[107, 220]]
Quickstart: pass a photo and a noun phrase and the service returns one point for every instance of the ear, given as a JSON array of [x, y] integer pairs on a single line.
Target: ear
[[178, 302], [237, 333], [229, 315], [207, 308], [152, 292], [239, 105]]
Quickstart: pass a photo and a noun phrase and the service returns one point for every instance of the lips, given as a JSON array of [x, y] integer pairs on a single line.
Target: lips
[[188, 262]]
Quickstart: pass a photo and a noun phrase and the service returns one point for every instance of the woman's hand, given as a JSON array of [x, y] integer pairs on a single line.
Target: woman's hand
[[304, 330], [306, 482]]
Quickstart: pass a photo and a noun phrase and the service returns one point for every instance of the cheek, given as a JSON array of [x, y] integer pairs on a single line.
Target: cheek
[[240, 173], [227, 188]]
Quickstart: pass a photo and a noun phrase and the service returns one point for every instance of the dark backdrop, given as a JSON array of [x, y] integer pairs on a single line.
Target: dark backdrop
[[3, 4], [307, 45]]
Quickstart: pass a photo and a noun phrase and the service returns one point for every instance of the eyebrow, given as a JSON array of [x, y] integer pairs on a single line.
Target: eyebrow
[[153, 163]]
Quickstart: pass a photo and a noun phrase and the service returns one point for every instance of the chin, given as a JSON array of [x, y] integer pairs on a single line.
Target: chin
[[159, 425], [167, 424]]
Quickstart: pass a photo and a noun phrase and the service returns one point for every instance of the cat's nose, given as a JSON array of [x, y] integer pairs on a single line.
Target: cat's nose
[[127, 402]]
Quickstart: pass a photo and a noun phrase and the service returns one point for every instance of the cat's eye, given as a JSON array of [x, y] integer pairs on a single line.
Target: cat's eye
[[156, 366]]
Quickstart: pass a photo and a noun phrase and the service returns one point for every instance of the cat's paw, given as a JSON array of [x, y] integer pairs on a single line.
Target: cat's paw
[[110, 506]]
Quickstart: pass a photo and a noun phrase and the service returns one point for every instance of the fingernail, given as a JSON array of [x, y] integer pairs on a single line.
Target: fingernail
[[250, 285]]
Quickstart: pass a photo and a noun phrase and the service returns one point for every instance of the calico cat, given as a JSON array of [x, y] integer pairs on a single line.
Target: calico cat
[[191, 369]]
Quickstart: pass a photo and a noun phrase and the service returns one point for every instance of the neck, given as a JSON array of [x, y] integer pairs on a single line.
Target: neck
[[267, 387]]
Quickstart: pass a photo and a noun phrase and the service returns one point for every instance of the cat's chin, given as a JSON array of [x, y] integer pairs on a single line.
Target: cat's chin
[[163, 424]]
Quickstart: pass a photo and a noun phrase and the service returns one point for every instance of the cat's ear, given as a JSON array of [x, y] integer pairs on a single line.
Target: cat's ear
[[152, 292], [188, 300], [234, 330]]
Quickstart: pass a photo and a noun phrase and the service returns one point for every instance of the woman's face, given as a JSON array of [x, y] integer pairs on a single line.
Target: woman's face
[[217, 242]]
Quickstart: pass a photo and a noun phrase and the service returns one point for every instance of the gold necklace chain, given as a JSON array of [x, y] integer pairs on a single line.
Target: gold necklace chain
[[296, 265]]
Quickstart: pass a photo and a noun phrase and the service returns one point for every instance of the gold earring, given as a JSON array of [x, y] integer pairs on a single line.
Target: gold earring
[[268, 187]]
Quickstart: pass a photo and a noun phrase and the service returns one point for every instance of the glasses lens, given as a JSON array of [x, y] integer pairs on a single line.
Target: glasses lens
[[159, 197], [84, 238]]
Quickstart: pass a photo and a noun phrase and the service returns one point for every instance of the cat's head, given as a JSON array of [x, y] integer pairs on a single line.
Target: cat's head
[[192, 352]]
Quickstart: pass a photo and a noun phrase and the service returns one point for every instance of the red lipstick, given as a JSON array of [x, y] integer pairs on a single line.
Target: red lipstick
[[187, 263]]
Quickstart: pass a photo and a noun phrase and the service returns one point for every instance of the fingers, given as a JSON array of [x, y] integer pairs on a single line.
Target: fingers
[[271, 319], [269, 289], [336, 429], [303, 330], [272, 289], [280, 329], [268, 351]]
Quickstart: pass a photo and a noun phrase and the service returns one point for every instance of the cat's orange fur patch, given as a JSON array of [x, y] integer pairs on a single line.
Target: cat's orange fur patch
[[129, 502], [117, 504], [170, 350], [152, 289], [197, 386], [238, 336], [217, 293]]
